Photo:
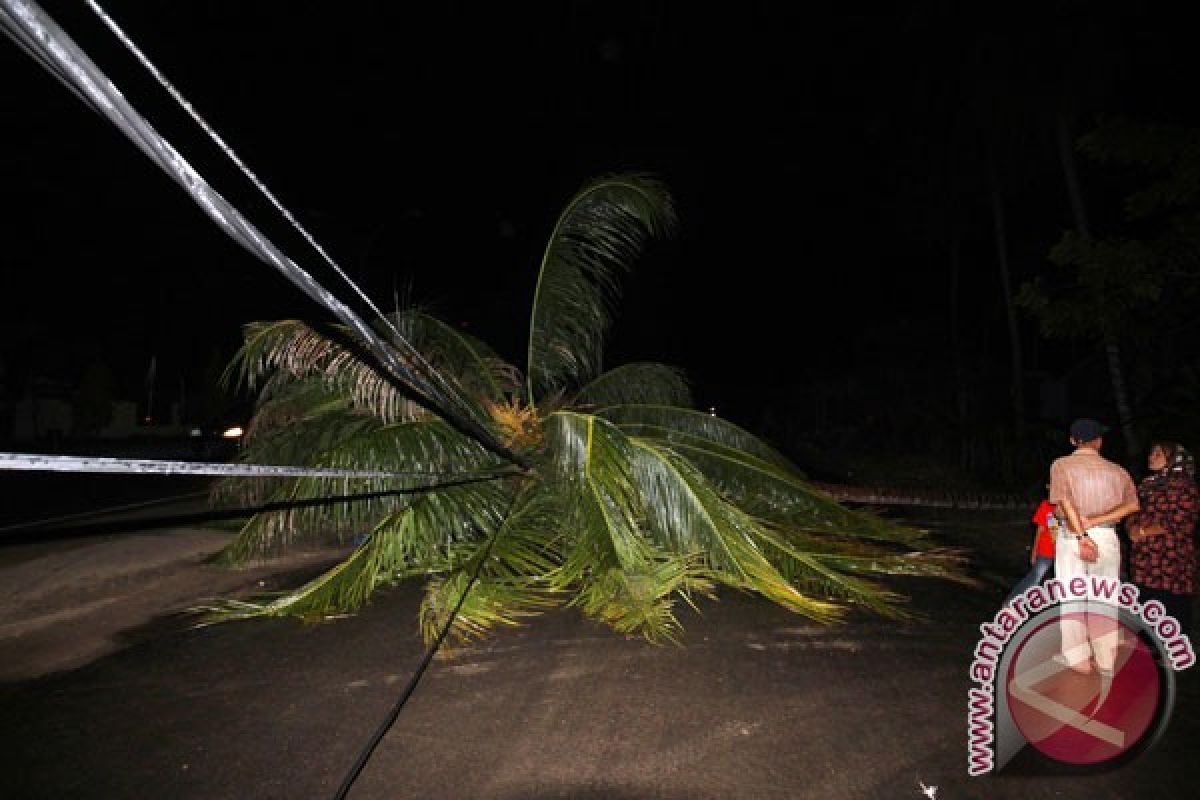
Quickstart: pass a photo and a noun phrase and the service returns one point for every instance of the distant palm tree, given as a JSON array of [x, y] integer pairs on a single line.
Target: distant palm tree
[[618, 499]]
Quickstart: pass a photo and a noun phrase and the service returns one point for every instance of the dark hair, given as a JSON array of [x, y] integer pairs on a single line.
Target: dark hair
[[1178, 459], [1168, 448]]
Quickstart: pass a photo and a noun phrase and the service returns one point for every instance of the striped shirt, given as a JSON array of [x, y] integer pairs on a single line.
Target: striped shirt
[[1092, 483]]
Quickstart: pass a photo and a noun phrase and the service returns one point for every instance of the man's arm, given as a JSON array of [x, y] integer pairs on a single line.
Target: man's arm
[[1074, 520], [1129, 504], [1112, 516]]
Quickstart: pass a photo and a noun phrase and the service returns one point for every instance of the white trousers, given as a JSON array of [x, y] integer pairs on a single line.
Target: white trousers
[[1098, 636]]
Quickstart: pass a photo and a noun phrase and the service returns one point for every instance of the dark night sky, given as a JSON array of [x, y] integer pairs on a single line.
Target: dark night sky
[[430, 146]]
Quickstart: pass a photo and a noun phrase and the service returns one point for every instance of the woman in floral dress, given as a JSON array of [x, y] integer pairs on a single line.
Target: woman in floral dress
[[1163, 556]]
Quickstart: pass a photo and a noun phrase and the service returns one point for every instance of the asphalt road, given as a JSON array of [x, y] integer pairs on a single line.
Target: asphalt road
[[757, 703]]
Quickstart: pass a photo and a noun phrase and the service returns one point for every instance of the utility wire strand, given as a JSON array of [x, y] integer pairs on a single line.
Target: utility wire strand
[[390, 720], [36, 33], [262, 188], [34, 29], [39, 462]]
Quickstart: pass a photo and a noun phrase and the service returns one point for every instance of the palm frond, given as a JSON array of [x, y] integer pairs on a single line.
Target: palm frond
[[619, 574], [645, 512], [939, 562], [818, 573], [430, 535], [752, 473], [272, 437], [283, 404], [597, 237], [423, 452], [773, 492], [668, 422], [474, 364], [685, 510], [642, 601], [643, 383], [492, 602], [593, 459], [511, 566], [287, 350]]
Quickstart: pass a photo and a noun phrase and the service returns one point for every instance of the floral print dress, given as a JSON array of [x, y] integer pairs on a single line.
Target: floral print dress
[[1167, 562]]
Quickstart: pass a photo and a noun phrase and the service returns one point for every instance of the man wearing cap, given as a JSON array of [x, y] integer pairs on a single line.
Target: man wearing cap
[[1094, 494]]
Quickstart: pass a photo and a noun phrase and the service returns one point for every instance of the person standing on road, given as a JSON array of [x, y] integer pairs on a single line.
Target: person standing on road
[[1041, 554], [1162, 534], [1093, 494]]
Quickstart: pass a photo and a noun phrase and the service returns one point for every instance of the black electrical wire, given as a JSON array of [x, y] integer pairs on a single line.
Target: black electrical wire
[[34, 32], [387, 723]]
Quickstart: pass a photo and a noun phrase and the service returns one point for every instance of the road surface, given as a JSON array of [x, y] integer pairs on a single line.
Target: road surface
[[756, 703]]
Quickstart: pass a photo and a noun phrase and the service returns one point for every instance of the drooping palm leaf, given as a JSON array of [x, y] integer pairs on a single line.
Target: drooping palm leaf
[[480, 371], [643, 383], [282, 408], [510, 569], [762, 481], [664, 421], [680, 502], [598, 235], [424, 452], [618, 574], [657, 516], [429, 535], [292, 350]]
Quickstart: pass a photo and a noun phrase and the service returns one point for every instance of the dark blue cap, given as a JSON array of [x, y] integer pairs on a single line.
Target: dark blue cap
[[1085, 430]]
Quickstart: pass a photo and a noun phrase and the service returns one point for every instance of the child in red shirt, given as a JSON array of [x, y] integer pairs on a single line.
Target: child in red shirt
[[1041, 555]]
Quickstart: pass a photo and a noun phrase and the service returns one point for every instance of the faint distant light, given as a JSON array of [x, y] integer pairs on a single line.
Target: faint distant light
[[195, 433], [712, 411], [611, 50], [233, 433], [147, 420]]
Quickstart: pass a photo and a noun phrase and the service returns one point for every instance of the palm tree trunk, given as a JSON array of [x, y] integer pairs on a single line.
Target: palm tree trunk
[[1112, 348], [1014, 333]]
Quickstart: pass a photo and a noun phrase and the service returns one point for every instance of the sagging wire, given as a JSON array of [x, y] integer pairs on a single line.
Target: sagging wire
[[229, 152], [37, 33], [455, 479], [39, 36], [390, 720], [37, 462]]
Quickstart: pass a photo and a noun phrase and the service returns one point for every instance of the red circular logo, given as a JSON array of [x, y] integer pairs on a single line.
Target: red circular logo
[[1083, 687]]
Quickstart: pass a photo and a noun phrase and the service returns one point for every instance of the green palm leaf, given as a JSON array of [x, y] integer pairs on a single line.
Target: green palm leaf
[[423, 452], [645, 513], [752, 473], [478, 368], [290, 350], [619, 575], [683, 508], [429, 535], [644, 383], [510, 570], [668, 422], [603, 228], [280, 352]]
